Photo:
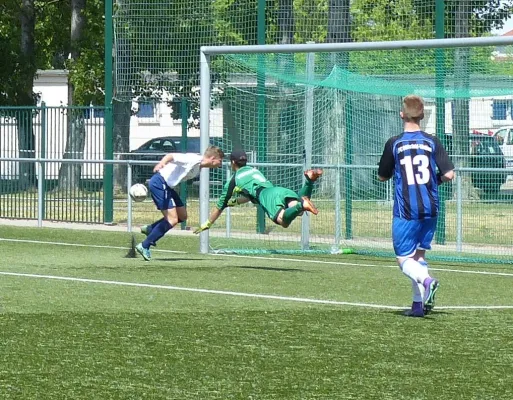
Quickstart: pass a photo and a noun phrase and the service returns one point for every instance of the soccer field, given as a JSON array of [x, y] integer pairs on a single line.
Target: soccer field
[[81, 321]]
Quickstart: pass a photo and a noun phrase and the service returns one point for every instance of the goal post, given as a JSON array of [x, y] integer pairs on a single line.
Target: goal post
[[338, 117]]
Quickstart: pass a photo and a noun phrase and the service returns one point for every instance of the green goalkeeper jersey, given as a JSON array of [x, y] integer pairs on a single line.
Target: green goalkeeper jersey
[[247, 181]]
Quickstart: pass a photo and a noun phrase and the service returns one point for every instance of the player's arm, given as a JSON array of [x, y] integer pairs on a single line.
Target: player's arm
[[222, 203], [165, 160], [444, 163], [387, 162]]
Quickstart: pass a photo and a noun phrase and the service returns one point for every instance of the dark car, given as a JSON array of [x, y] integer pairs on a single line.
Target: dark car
[[193, 144], [484, 152], [152, 150]]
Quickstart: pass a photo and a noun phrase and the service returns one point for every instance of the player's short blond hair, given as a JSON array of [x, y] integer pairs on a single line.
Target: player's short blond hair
[[413, 109], [214, 151]]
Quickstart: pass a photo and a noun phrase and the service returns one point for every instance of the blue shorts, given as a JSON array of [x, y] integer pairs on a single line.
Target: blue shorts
[[410, 235], [163, 196]]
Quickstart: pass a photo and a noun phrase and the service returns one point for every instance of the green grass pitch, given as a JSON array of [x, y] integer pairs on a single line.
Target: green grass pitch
[[192, 326]]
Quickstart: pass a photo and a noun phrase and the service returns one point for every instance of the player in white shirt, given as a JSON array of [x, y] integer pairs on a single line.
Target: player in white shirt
[[169, 172]]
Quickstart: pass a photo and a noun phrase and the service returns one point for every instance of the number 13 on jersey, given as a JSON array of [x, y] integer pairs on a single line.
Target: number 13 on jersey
[[417, 169]]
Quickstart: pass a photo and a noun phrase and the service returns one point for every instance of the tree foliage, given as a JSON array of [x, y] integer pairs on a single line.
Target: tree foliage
[[86, 73]]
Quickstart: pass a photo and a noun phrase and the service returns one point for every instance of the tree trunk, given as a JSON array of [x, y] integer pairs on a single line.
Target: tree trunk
[[462, 81], [121, 115], [286, 21], [461, 129], [277, 110], [69, 174], [339, 29], [26, 139]]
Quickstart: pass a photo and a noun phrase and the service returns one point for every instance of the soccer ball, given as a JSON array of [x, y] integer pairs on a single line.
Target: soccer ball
[[138, 192]]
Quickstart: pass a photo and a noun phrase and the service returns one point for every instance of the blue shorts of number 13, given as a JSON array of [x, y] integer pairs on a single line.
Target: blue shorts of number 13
[[410, 235]]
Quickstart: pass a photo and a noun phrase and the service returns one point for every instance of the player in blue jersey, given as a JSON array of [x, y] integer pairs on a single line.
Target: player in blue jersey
[[412, 159]]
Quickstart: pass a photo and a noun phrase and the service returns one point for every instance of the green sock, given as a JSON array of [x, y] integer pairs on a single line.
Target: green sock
[[291, 213], [306, 190]]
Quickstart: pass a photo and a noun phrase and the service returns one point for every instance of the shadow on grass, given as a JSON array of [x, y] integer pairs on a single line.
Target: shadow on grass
[[178, 259], [271, 268], [431, 316]]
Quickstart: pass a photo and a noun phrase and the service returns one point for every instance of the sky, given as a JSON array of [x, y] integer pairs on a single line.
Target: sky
[[508, 26]]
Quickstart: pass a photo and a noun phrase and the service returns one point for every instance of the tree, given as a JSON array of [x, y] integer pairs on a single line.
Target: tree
[[25, 95], [69, 174], [10, 45], [483, 15], [70, 36], [16, 77], [461, 129], [339, 28]]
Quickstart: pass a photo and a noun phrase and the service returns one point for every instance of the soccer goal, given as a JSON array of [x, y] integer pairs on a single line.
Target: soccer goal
[[334, 106]]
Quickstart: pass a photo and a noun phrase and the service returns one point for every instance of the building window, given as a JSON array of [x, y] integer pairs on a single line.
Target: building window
[[146, 110], [99, 113], [90, 113], [500, 109]]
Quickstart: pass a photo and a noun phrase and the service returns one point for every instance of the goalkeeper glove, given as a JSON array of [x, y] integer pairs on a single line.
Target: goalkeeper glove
[[203, 227], [232, 202]]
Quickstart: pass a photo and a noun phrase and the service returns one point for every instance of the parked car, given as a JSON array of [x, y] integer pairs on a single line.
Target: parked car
[[484, 152], [193, 143], [152, 150]]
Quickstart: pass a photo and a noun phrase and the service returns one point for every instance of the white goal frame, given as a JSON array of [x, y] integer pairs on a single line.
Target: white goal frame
[[205, 83]]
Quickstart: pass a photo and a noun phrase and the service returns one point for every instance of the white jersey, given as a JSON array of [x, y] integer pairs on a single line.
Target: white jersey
[[184, 166]]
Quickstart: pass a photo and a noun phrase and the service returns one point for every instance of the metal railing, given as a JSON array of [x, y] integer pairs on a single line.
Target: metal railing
[[471, 216]]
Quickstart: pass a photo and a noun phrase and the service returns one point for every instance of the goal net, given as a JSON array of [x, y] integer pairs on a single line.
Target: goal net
[[335, 111]]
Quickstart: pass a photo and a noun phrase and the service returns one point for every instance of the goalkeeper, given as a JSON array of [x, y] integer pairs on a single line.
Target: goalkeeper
[[281, 205]]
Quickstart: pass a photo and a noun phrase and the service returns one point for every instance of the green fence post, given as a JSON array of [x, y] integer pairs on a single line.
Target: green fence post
[[108, 170], [440, 112], [42, 154], [348, 151], [184, 114], [261, 106]]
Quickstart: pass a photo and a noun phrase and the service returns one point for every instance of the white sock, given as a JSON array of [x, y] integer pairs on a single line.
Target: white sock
[[414, 270], [418, 291]]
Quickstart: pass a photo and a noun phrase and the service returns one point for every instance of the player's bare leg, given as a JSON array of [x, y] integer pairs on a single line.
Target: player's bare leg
[[309, 206], [313, 174]]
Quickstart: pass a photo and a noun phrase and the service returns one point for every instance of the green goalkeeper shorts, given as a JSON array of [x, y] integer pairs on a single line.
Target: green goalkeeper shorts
[[274, 199]]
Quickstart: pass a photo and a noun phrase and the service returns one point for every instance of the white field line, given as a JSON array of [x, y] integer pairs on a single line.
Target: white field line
[[241, 294], [94, 246], [294, 260]]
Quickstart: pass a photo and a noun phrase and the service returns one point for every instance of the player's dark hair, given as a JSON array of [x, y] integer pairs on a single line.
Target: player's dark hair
[[240, 163]]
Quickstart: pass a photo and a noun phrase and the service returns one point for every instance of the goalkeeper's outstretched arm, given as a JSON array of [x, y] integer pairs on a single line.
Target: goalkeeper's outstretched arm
[[216, 213], [224, 201]]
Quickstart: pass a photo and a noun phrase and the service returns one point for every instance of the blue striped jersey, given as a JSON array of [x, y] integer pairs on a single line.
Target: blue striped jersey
[[412, 158]]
